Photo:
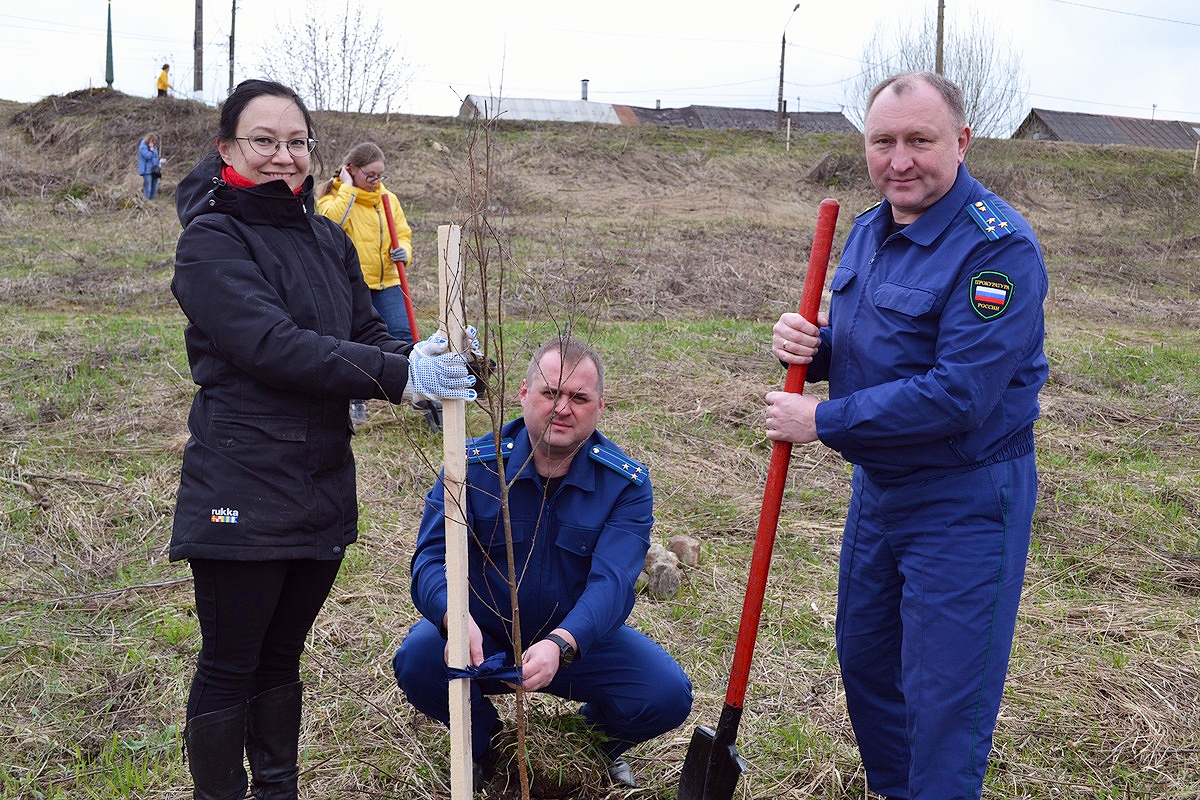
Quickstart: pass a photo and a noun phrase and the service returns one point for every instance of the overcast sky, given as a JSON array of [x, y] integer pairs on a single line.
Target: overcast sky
[[1133, 58]]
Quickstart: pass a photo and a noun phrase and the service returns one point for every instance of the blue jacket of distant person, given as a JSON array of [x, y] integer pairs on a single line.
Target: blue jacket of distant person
[[147, 158], [934, 351], [577, 553]]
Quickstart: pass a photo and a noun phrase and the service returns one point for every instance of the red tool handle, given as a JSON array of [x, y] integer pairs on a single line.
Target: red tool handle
[[408, 306], [781, 453]]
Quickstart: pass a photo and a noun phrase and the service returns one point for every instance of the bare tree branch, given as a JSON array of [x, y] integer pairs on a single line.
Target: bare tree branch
[[987, 68], [339, 60]]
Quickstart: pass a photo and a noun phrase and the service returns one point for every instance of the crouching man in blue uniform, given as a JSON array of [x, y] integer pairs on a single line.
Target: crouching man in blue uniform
[[581, 513], [933, 352]]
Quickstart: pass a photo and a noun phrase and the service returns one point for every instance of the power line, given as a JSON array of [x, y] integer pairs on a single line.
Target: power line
[[1141, 108], [1128, 13], [63, 28]]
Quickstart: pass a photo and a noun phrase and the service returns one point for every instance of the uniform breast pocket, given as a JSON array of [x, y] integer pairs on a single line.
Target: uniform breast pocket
[[843, 276], [578, 540], [903, 309], [488, 531], [904, 299], [576, 544]]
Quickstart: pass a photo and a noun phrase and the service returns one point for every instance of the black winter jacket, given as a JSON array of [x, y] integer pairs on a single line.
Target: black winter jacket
[[281, 334]]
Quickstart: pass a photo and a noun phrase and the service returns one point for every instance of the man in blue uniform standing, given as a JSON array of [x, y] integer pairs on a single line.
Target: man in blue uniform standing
[[933, 352], [581, 513]]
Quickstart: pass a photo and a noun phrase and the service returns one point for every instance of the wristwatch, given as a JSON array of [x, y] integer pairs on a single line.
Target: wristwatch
[[567, 653]]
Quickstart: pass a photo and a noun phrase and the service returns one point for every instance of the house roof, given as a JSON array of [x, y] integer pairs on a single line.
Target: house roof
[[719, 117], [709, 117], [1070, 126], [522, 108]]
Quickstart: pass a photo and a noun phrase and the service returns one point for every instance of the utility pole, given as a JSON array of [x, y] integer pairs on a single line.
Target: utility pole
[[782, 54], [941, 31], [779, 107], [108, 65], [198, 47], [232, 24]]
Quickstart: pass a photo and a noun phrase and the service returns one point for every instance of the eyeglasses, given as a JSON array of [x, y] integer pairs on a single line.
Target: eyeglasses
[[373, 177], [269, 145]]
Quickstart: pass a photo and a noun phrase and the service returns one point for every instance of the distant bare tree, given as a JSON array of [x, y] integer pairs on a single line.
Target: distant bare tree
[[345, 62], [987, 68]]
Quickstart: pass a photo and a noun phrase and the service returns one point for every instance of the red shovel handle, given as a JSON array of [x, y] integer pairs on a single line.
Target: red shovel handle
[[781, 453], [408, 306]]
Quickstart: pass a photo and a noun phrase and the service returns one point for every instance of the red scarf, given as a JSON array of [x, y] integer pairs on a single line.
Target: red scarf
[[240, 181]]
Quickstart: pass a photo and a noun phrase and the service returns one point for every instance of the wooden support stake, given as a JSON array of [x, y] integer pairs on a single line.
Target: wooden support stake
[[454, 465]]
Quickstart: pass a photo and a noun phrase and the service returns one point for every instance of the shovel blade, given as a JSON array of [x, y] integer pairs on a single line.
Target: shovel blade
[[710, 769], [695, 764]]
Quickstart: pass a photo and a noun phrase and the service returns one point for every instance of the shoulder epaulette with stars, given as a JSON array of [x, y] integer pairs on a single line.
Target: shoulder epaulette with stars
[[619, 462], [485, 450], [991, 220]]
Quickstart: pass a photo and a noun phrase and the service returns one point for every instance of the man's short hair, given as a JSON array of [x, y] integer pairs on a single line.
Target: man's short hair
[[905, 81], [572, 352]]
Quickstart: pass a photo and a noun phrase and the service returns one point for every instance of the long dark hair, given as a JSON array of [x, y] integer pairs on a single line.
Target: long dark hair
[[240, 97]]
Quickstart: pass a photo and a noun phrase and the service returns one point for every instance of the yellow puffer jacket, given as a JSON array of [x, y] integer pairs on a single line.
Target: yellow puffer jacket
[[366, 225]]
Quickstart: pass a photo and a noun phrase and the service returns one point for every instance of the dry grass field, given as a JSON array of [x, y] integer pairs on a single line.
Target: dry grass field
[[673, 251]]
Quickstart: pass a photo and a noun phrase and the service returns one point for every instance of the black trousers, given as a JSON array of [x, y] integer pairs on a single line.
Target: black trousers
[[254, 617]]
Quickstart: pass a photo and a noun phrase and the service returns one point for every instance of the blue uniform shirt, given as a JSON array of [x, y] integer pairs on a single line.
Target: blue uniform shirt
[[934, 349], [577, 554]]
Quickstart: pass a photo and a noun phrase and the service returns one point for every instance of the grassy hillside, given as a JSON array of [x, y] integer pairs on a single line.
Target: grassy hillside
[[673, 251]]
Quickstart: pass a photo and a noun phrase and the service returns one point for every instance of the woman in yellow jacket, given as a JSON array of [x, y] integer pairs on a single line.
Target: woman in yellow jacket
[[354, 199], [164, 81]]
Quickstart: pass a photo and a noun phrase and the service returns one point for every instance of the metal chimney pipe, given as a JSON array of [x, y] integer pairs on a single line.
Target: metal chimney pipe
[[585, 83]]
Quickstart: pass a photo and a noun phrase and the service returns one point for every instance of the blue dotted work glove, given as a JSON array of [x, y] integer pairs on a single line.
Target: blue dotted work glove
[[433, 346], [438, 343], [436, 377], [473, 338], [398, 254]]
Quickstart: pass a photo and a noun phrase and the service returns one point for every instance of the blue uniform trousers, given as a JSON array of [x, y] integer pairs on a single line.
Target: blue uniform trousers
[[632, 690], [928, 587], [390, 304]]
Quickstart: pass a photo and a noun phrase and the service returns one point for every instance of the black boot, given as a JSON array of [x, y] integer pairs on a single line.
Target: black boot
[[272, 742], [214, 753]]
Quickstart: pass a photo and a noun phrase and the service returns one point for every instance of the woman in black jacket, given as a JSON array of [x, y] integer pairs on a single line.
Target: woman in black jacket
[[281, 334]]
